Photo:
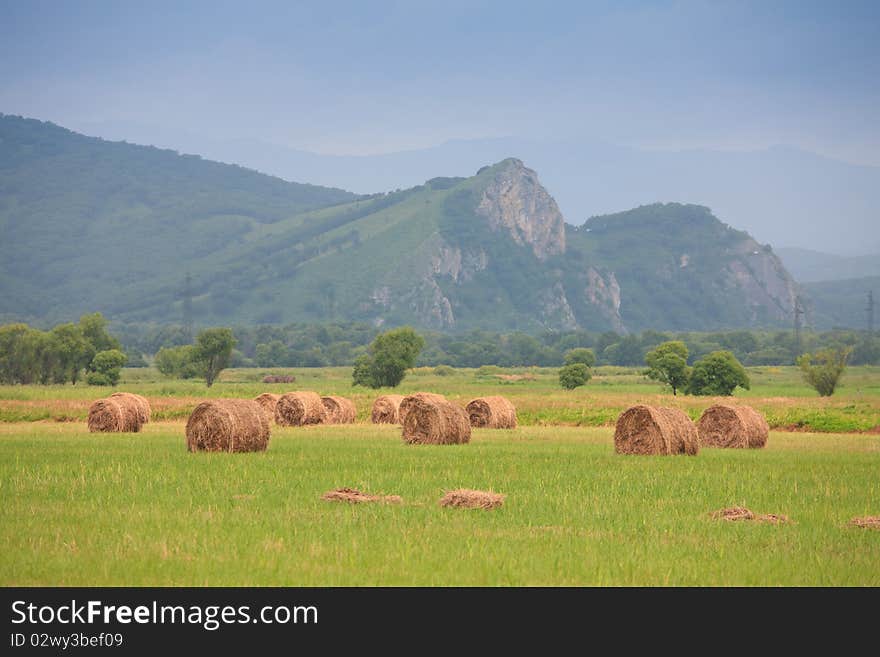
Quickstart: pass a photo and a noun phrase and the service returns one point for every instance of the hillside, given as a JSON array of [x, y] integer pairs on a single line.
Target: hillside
[[814, 266], [93, 225], [842, 303]]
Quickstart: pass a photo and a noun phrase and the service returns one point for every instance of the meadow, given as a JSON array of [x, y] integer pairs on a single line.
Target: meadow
[[137, 509]]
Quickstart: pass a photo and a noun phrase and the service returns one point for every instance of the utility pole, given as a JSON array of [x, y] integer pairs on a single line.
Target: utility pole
[[798, 313], [870, 312], [187, 308]]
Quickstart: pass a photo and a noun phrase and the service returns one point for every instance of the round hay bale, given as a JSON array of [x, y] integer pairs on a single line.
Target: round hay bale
[[728, 426], [660, 431], [268, 401], [339, 410], [296, 409], [492, 413], [113, 414], [228, 425], [407, 401], [435, 422], [141, 403], [386, 409]]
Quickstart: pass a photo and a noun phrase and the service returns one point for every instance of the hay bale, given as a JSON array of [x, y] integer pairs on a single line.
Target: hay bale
[[386, 409], [491, 413], [296, 409], [659, 431], [733, 427], [464, 498], [354, 496], [141, 404], [407, 402], [279, 378], [268, 401], [435, 422], [114, 414], [228, 425], [339, 410]]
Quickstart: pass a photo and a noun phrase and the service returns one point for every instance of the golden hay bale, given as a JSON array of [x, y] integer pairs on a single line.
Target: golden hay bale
[[141, 403], [407, 401], [435, 422], [228, 425], [268, 401], [492, 413], [472, 499], [296, 409], [386, 409], [354, 496], [339, 410], [647, 430], [732, 426], [113, 414]]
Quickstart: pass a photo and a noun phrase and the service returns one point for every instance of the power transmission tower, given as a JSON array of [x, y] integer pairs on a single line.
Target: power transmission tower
[[870, 312], [798, 313], [187, 307]]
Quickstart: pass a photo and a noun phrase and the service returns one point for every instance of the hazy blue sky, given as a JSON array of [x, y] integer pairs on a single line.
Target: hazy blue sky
[[367, 77]]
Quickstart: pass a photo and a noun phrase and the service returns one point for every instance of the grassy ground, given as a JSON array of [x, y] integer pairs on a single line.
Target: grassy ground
[[778, 392], [81, 509]]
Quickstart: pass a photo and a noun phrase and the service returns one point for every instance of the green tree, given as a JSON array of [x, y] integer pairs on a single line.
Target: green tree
[[176, 362], [574, 375], [272, 354], [211, 352], [74, 351], [108, 364], [391, 354], [667, 363], [580, 355], [718, 373], [19, 353], [824, 376], [94, 330]]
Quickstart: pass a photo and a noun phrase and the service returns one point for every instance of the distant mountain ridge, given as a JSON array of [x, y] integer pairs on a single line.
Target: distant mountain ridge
[[814, 266], [94, 225]]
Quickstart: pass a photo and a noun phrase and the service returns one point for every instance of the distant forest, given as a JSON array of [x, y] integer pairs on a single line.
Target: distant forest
[[317, 345]]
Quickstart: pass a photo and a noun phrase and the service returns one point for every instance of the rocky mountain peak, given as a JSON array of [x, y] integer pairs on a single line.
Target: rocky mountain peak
[[513, 200]]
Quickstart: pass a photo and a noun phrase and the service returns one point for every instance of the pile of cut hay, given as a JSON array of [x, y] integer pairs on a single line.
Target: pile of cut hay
[[435, 422], [491, 413], [407, 401], [658, 431], [732, 426], [868, 522], [296, 409], [386, 409], [279, 378], [339, 410], [114, 414], [143, 406], [268, 401], [472, 499], [354, 496], [735, 513], [228, 425]]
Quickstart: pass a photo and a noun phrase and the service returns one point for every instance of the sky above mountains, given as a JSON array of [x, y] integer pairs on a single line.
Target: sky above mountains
[[356, 77]]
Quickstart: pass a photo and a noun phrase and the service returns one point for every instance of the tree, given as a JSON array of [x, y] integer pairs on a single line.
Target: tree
[[211, 352], [717, 374], [667, 363], [390, 355], [580, 355], [273, 354], [574, 375], [19, 353], [94, 330], [176, 362], [74, 351], [825, 374], [105, 366]]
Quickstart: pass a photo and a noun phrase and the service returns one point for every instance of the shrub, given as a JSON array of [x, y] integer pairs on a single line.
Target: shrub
[[719, 373], [391, 354], [444, 370], [824, 376], [107, 363], [98, 379], [580, 355], [574, 375]]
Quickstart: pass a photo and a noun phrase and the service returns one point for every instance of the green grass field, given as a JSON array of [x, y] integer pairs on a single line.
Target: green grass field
[[138, 509]]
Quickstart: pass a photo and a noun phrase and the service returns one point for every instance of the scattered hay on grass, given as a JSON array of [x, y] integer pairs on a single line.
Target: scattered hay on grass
[[354, 496], [228, 425], [339, 410], [647, 430], [464, 498], [386, 409], [494, 412], [296, 409], [435, 422], [114, 415], [868, 522], [742, 513], [729, 426]]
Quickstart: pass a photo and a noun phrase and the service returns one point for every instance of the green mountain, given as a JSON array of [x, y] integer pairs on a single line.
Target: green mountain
[[92, 225], [842, 303]]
